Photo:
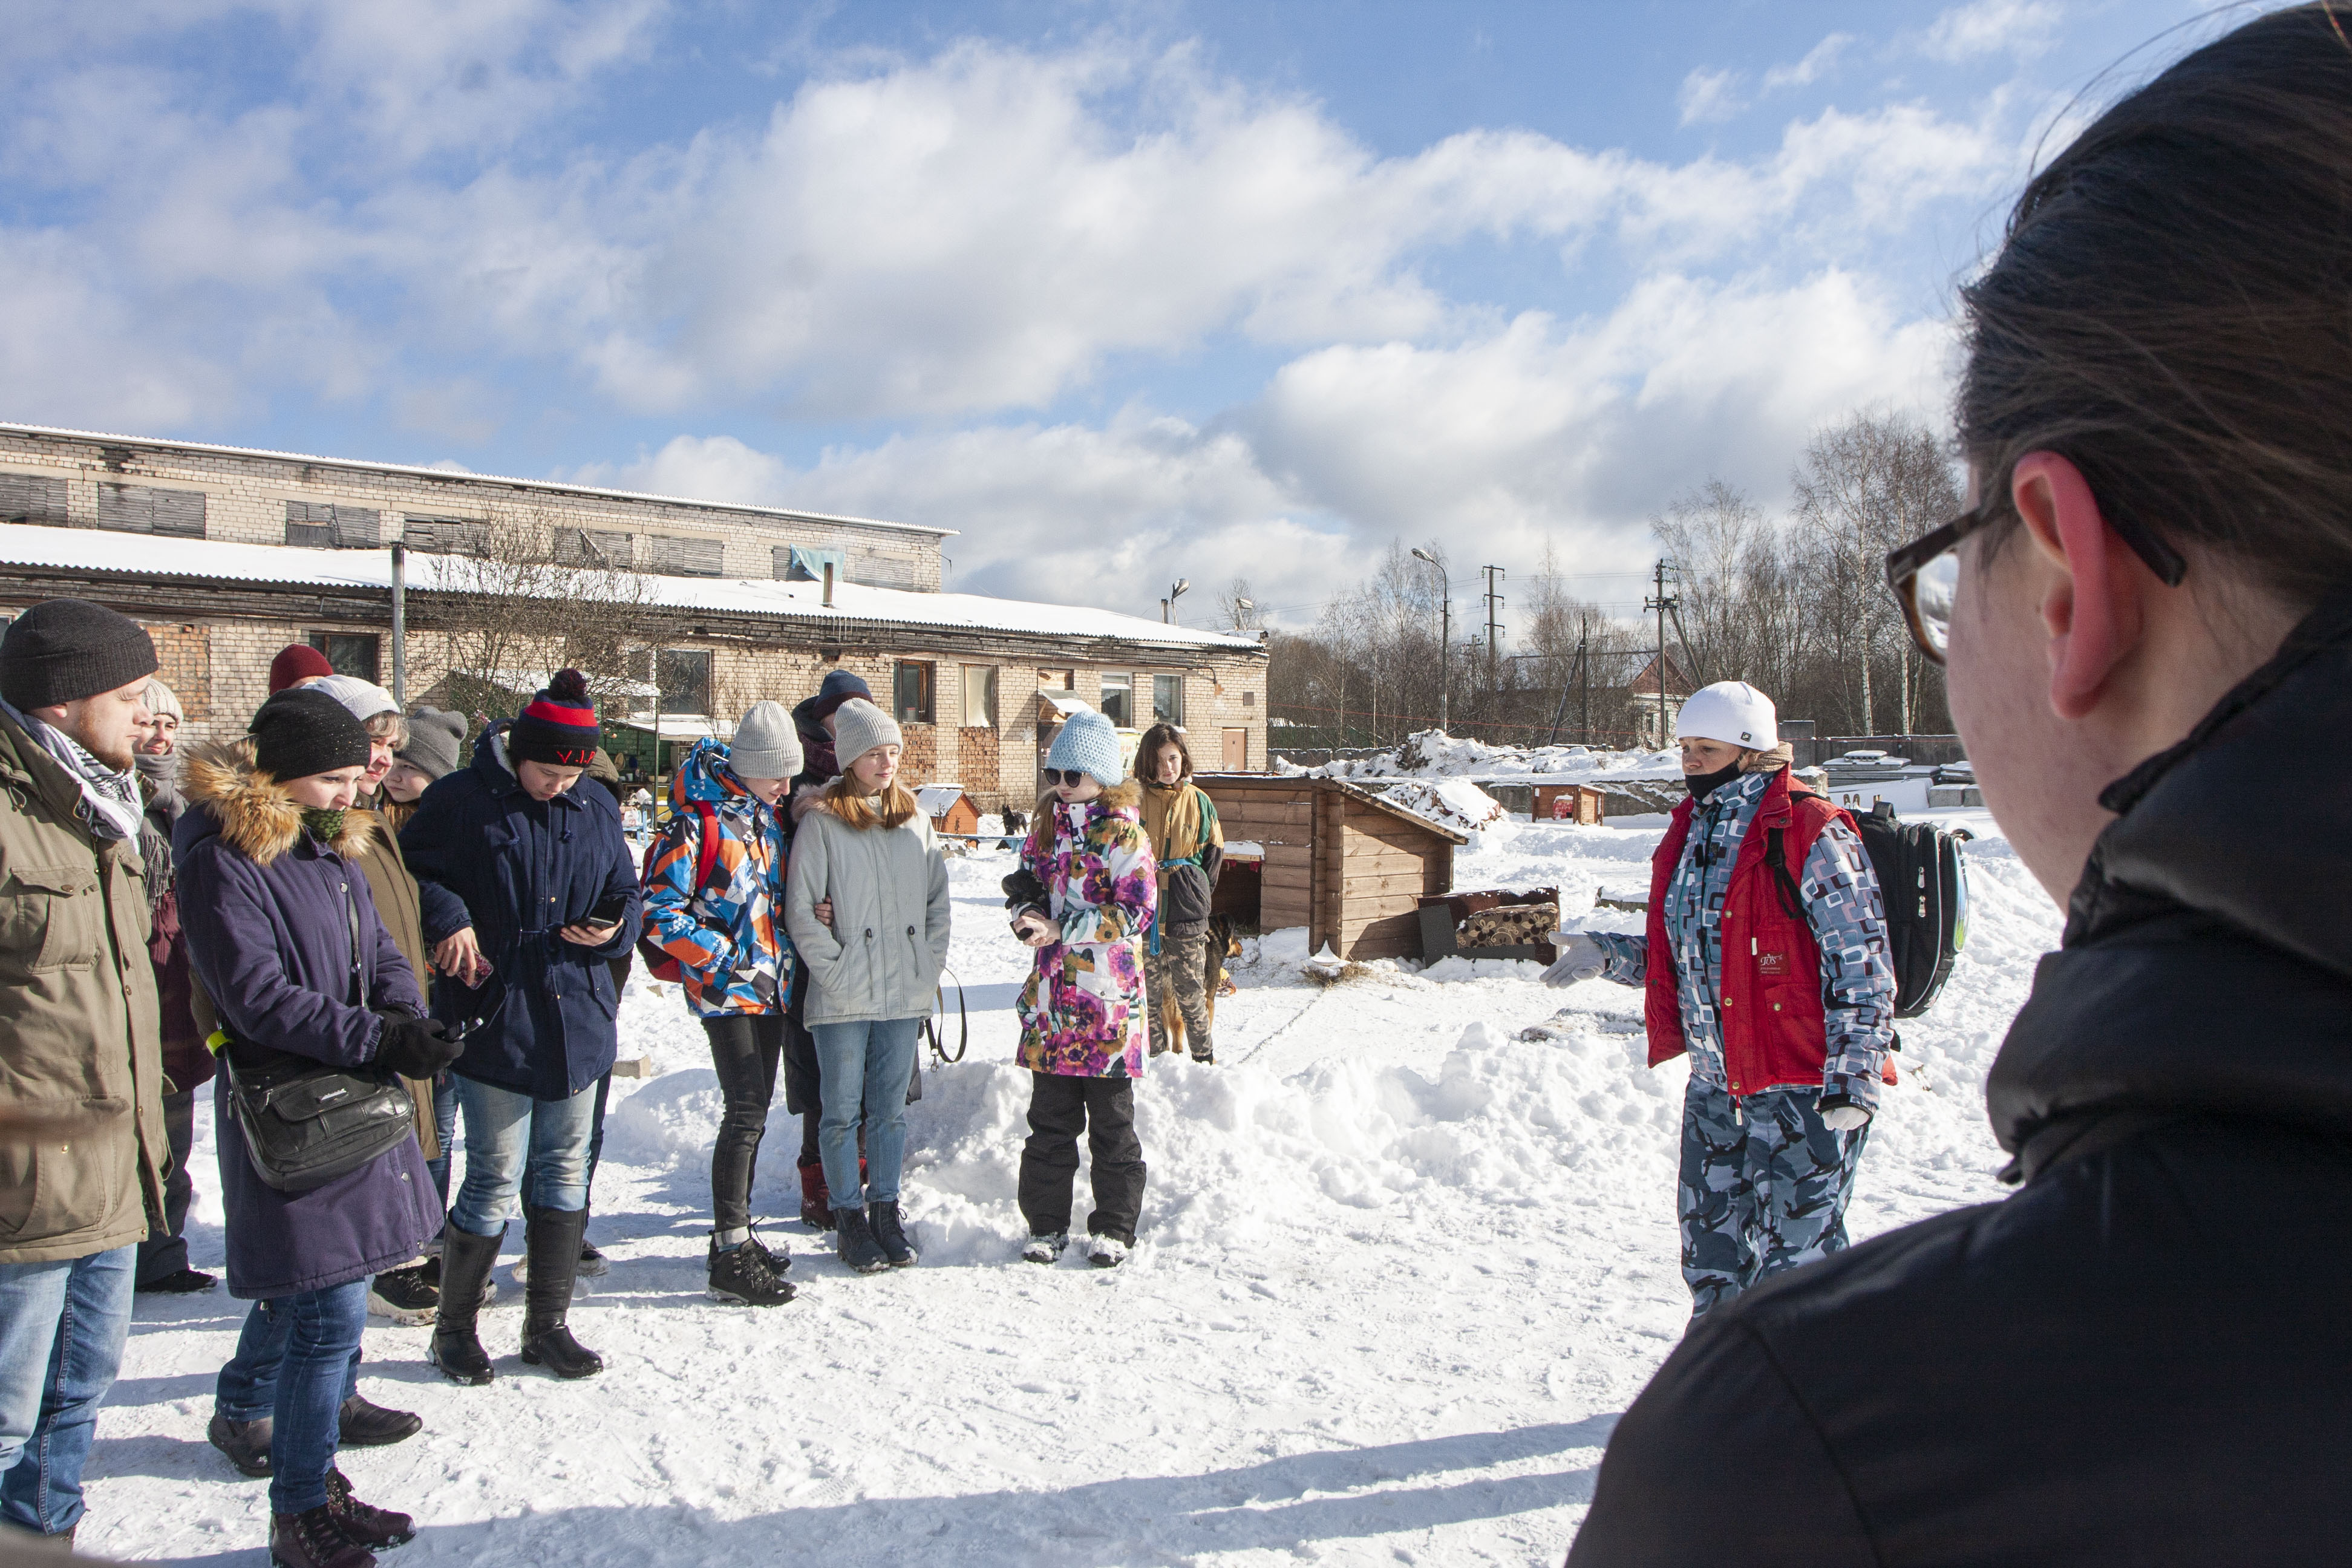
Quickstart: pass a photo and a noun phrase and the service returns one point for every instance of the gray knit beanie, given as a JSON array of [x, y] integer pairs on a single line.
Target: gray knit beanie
[[434, 737], [858, 727], [767, 744]]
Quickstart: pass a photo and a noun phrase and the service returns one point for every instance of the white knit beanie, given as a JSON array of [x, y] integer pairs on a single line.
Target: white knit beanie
[[766, 744]]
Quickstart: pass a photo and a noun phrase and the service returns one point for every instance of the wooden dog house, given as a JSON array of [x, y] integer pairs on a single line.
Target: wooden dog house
[[948, 807], [1338, 860], [1569, 803]]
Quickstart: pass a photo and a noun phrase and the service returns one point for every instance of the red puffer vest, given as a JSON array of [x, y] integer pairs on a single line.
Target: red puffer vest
[[1775, 1031]]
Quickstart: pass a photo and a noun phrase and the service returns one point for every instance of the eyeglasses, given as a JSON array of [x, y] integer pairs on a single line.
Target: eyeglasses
[[1056, 777], [1925, 574]]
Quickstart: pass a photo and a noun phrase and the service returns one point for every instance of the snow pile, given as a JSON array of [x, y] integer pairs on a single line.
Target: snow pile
[[1406, 1251], [1433, 753], [1451, 803]]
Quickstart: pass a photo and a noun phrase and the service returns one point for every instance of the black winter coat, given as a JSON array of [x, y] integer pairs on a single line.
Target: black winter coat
[[2141, 1356]]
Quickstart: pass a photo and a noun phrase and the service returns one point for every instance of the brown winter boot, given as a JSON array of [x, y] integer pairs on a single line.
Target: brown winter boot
[[312, 1539]]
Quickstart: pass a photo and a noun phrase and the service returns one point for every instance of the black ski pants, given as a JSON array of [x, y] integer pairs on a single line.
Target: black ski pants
[[744, 1050], [1103, 1109]]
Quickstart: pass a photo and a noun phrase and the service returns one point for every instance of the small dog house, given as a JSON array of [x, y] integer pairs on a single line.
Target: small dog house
[[1336, 860], [1569, 803], [950, 809]]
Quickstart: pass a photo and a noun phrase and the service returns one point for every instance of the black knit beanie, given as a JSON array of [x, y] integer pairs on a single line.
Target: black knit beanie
[[305, 732], [558, 727], [62, 650]]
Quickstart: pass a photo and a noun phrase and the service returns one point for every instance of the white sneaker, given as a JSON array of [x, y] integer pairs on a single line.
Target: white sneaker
[[1045, 1248], [1106, 1251]]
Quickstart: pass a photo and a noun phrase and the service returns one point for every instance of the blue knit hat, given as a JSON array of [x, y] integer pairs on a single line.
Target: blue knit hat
[[1089, 744]]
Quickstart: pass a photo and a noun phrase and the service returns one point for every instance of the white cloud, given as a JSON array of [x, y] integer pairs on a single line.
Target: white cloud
[[1709, 96], [1984, 27], [1819, 61]]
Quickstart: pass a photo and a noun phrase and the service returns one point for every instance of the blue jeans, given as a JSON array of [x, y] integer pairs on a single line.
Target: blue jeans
[[865, 1067], [503, 1132], [445, 1129], [246, 1389], [62, 1328], [303, 1354]]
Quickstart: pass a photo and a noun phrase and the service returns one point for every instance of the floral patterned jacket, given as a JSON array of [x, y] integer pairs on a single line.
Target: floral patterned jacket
[[1082, 1013]]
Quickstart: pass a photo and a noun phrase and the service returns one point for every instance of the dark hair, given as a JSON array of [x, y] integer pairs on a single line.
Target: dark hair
[[2171, 308], [1147, 754]]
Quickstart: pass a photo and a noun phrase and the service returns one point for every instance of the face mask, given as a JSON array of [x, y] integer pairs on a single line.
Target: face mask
[[322, 823], [1701, 785]]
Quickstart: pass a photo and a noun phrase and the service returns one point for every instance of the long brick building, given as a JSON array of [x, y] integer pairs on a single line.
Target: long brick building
[[227, 554]]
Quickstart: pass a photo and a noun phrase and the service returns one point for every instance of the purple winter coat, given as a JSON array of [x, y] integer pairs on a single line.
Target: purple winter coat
[[267, 914]]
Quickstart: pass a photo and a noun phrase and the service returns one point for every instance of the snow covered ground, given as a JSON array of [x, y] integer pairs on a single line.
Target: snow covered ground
[[1400, 1271]]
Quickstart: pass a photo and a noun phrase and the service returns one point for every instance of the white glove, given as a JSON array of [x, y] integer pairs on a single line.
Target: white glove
[[1840, 1114], [1580, 958]]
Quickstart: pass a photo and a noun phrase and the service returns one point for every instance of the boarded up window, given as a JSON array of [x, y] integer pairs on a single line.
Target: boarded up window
[[679, 557], [591, 547], [322, 526], [33, 498], [445, 536], [881, 568], [806, 563], [142, 509]]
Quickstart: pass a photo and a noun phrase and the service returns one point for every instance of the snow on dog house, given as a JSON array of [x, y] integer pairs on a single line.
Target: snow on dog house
[[1339, 860], [950, 809]]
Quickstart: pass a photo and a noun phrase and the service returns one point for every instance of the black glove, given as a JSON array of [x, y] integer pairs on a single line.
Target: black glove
[[1022, 890], [415, 1048]]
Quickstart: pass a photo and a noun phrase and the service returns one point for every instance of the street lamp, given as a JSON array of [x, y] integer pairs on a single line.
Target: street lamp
[[1242, 610], [1444, 633], [1168, 605]]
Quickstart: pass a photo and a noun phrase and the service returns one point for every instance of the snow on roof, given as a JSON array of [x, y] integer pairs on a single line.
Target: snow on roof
[[568, 489], [1433, 753], [936, 799], [150, 555]]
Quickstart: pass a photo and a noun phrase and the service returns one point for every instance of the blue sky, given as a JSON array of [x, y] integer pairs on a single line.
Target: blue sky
[[1124, 293]]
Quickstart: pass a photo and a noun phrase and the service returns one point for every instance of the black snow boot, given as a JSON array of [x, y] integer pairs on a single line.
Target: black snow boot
[[246, 1443], [465, 1264], [746, 1277], [858, 1248], [360, 1425], [372, 1527], [547, 1298], [890, 1235]]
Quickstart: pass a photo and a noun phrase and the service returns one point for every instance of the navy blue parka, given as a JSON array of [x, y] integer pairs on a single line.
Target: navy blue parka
[[521, 870]]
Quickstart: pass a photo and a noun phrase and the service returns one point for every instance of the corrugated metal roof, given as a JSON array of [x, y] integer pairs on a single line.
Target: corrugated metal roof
[[202, 560]]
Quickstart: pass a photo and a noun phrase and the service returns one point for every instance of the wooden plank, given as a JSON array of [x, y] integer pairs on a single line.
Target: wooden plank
[[1389, 830], [1366, 854], [1274, 914], [1395, 936], [1372, 885]]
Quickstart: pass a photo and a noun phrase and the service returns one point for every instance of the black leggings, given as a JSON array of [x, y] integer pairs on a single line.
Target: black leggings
[[744, 1048]]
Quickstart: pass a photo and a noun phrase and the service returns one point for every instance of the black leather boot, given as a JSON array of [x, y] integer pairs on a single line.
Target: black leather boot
[[547, 1297], [465, 1264]]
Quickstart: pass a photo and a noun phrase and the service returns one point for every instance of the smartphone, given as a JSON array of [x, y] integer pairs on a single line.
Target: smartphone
[[610, 911]]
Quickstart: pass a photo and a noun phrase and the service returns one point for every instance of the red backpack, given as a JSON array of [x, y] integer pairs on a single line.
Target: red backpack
[[660, 963]]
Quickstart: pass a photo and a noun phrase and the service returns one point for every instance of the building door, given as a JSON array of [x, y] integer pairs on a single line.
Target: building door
[[1237, 751]]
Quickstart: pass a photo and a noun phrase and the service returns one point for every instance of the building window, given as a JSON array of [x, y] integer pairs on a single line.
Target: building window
[[878, 570], [351, 653], [980, 696], [1249, 699], [686, 680], [1058, 679], [321, 526], [674, 557], [591, 547], [1168, 700], [141, 509], [33, 498], [445, 536], [1118, 701], [912, 691]]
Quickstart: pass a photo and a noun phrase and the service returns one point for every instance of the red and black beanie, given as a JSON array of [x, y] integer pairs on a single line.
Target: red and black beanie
[[558, 726]]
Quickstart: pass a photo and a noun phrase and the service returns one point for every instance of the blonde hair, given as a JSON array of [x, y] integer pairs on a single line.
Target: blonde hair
[[858, 808], [393, 727]]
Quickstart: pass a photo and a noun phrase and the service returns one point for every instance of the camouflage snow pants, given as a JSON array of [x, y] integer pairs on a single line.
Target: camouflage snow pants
[[1763, 1188], [1180, 968]]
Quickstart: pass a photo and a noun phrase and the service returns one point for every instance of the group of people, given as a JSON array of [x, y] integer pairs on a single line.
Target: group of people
[[367, 938]]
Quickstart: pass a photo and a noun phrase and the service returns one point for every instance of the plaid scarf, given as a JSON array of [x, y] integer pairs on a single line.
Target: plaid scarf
[[110, 801]]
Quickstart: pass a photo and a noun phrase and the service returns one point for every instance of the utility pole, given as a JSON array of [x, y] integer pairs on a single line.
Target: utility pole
[[1494, 625], [400, 626], [1444, 633], [1584, 676], [1664, 603]]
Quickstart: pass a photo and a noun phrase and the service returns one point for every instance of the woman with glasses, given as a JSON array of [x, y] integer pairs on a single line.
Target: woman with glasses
[[1086, 894], [1766, 960], [866, 902], [2147, 624]]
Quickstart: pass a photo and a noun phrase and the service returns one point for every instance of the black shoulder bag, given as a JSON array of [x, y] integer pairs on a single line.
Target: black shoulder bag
[[307, 1122]]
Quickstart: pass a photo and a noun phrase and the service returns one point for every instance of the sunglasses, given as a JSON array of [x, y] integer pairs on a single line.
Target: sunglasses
[[1925, 574], [1056, 777]]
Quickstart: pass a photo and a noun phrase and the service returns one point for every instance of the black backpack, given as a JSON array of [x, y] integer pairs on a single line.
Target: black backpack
[[1924, 880]]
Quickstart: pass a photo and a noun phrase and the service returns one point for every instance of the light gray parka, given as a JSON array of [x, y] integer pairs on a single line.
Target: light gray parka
[[882, 955]]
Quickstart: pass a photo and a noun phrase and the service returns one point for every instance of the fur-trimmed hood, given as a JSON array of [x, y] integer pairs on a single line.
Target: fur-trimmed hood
[[257, 818]]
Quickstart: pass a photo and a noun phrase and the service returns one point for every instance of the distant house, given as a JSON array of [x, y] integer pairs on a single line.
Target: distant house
[[1653, 717], [950, 809], [227, 554]]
